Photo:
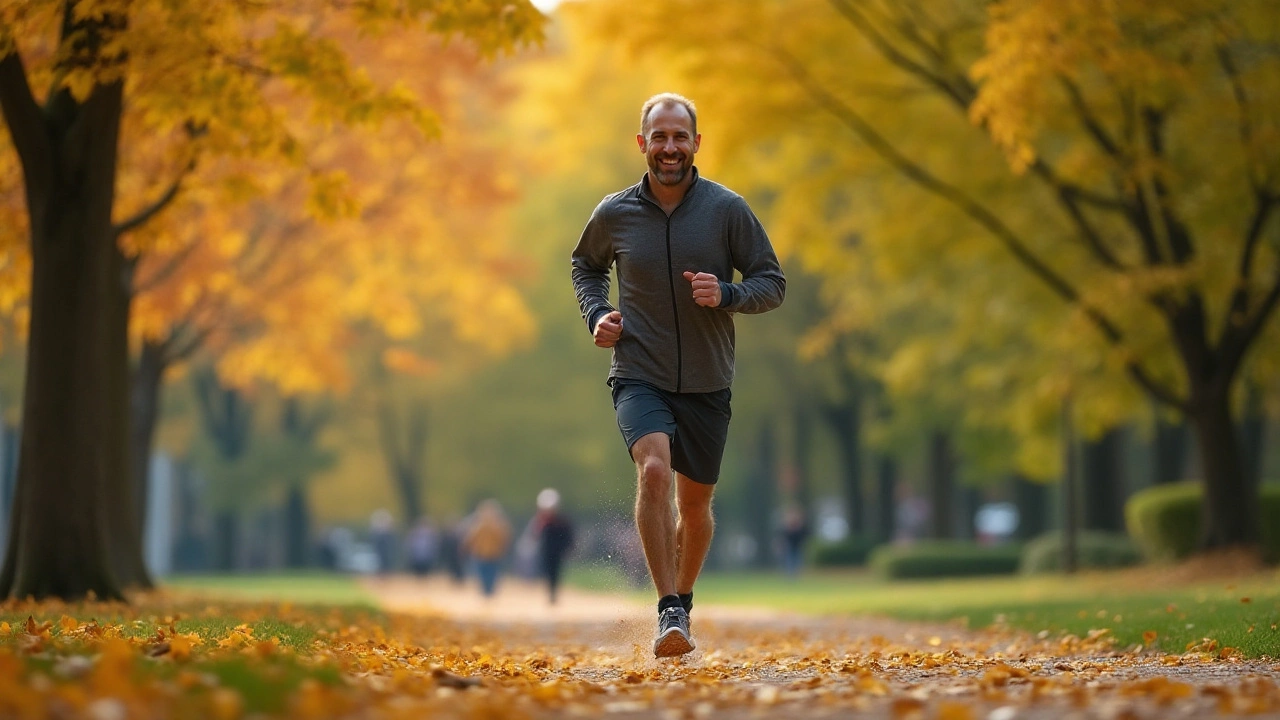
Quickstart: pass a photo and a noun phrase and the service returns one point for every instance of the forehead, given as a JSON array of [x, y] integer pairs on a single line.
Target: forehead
[[670, 119]]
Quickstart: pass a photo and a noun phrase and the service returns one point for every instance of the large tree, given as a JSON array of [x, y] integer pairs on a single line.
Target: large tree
[[1119, 158], [191, 74]]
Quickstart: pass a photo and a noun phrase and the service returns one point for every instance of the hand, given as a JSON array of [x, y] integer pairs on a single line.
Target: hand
[[608, 329], [706, 288]]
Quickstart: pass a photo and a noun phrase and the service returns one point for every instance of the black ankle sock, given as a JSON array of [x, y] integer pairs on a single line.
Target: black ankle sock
[[686, 599], [667, 601]]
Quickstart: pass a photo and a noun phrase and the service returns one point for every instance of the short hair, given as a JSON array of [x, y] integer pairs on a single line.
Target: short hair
[[667, 99]]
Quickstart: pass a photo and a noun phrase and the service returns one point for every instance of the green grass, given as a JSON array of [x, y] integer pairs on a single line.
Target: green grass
[[302, 588], [291, 609], [1127, 603], [206, 621]]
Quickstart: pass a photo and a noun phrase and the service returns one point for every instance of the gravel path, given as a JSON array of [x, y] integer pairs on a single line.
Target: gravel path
[[588, 656]]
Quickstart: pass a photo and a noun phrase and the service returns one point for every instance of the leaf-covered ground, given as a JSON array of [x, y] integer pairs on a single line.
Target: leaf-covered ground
[[441, 651]]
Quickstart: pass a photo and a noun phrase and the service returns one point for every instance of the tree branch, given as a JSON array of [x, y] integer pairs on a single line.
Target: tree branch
[[1228, 64], [1238, 310], [165, 272], [958, 87], [1235, 345], [1179, 241], [1139, 217], [154, 208], [1087, 231], [1090, 120], [25, 120], [182, 350], [977, 212], [963, 94], [388, 439]]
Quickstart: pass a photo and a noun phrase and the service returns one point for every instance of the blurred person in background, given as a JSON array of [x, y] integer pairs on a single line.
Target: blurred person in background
[[452, 554], [382, 535], [486, 540], [422, 546], [794, 534], [555, 539], [677, 240]]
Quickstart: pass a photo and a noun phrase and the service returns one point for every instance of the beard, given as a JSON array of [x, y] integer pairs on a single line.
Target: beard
[[669, 175]]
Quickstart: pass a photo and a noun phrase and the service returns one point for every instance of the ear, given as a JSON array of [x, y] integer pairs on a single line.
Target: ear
[[640, 141], [697, 142]]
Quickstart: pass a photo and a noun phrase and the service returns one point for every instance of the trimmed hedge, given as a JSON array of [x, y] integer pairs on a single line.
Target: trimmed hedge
[[945, 558], [849, 552], [1165, 519], [1094, 549]]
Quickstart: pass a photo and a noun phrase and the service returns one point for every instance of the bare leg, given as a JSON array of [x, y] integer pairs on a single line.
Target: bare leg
[[655, 520], [694, 528]]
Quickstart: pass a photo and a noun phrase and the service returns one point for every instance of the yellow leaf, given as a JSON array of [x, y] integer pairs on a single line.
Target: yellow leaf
[[180, 647], [954, 711]]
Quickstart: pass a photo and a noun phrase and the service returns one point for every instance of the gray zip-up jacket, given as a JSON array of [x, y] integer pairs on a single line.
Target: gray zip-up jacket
[[667, 339]]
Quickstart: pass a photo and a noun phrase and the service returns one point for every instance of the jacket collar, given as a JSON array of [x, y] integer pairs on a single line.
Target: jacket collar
[[644, 186]]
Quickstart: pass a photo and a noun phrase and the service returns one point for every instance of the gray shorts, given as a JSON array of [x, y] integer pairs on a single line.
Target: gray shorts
[[697, 423]]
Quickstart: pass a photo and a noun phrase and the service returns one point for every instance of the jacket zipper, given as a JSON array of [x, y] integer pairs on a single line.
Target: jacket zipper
[[671, 278]]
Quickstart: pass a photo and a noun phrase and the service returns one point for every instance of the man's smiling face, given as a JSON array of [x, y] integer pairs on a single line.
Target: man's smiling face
[[669, 143]]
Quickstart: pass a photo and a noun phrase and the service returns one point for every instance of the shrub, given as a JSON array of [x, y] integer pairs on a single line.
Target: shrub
[[851, 551], [1094, 549], [944, 558], [1165, 520]]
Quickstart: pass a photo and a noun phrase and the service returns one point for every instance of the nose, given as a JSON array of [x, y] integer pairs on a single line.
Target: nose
[[669, 145]]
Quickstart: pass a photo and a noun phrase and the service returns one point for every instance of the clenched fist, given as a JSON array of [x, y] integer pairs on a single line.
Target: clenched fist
[[608, 329], [706, 288]]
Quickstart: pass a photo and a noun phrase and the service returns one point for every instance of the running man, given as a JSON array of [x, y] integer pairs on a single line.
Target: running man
[[676, 239]]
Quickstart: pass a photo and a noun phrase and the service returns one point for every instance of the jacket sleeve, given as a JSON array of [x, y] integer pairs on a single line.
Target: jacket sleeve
[[763, 285], [591, 261]]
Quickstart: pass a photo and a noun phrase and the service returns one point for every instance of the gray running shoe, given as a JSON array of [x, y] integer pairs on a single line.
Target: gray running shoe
[[673, 633]]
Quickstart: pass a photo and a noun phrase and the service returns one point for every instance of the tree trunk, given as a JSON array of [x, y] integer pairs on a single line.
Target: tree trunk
[[802, 454], [404, 446], [145, 394], [1230, 517], [970, 500], [8, 464], [126, 524], [59, 543], [1070, 491], [192, 550], [846, 423], [226, 541], [886, 497], [1032, 499], [1103, 483], [1169, 452], [760, 513], [303, 428], [410, 491], [297, 528], [1253, 432], [941, 485]]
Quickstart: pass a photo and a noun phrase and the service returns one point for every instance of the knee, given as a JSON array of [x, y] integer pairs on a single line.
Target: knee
[[697, 515], [696, 512], [655, 477]]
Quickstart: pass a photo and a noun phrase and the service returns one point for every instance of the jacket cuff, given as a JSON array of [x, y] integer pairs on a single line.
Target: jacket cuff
[[727, 294], [594, 316]]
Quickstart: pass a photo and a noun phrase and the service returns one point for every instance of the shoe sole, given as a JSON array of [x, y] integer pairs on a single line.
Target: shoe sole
[[672, 644]]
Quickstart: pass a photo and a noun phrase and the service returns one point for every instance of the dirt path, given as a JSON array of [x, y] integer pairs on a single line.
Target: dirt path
[[588, 656]]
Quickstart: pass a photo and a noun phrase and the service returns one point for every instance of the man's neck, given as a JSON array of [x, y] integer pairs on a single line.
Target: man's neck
[[669, 196]]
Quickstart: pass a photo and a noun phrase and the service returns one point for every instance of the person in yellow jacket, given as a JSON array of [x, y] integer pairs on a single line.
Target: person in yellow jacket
[[487, 538]]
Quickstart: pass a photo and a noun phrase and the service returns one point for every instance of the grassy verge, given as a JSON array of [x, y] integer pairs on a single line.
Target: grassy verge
[[1136, 607], [303, 588], [210, 657]]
